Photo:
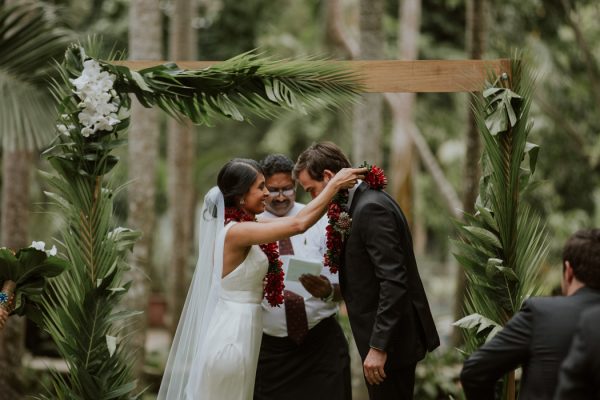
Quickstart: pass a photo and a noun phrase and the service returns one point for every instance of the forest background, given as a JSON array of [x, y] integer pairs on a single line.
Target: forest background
[[425, 142]]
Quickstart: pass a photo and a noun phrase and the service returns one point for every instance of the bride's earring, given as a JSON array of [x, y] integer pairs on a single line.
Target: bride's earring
[[242, 202]]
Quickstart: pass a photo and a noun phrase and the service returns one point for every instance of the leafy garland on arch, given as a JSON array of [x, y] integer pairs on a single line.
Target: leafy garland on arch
[[94, 101]]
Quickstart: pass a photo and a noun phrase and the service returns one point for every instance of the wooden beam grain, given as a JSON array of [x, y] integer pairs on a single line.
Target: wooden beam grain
[[393, 76]]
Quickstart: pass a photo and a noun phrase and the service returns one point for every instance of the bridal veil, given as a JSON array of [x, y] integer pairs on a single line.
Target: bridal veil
[[184, 366]]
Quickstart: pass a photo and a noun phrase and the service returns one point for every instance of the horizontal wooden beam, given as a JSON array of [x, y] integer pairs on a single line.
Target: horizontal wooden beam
[[392, 76]]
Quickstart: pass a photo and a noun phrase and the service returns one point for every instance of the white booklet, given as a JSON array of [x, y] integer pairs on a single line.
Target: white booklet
[[298, 267]]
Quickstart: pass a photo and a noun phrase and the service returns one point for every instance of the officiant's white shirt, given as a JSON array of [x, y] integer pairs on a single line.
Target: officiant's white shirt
[[310, 245]]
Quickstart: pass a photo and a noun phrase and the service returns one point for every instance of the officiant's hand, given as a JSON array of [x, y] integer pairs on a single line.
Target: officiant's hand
[[373, 366], [318, 286]]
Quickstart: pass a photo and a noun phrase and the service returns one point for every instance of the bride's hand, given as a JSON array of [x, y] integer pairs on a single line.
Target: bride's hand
[[346, 178]]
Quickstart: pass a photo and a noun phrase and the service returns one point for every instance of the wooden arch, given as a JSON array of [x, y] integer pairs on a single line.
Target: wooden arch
[[392, 76]]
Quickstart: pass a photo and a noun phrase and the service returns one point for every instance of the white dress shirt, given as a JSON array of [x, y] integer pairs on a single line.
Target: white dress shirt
[[310, 245]]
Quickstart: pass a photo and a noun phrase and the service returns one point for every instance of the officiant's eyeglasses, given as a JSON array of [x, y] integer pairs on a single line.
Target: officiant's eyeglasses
[[283, 192]]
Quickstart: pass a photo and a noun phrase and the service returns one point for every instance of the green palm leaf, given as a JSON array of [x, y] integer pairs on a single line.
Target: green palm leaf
[[244, 86]]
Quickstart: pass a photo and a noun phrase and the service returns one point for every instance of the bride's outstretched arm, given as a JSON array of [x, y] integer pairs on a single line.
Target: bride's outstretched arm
[[247, 234]]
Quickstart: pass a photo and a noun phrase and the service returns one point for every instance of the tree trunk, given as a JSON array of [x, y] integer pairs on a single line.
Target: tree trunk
[[338, 40], [344, 43], [587, 52], [476, 34], [182, 45], [145, 41], [16, 178], [402, 157], [367, 120]]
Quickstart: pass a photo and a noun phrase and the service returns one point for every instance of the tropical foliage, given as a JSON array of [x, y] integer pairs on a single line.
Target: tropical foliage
[[29, 37], [502, 246], [93, 96], [28, 270]]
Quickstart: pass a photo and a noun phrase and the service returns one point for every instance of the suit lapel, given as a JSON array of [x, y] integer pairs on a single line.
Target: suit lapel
[[357, 193]]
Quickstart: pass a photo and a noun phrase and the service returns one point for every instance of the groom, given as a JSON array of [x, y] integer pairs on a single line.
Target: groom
[[388, 310]]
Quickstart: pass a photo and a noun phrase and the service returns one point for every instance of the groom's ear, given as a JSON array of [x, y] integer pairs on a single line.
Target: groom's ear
[[327, 175]]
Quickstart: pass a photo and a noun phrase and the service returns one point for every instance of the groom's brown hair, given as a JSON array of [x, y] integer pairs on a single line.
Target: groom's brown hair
[[319, 157]]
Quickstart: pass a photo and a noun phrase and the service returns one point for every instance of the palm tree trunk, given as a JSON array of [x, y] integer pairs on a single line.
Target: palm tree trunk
[[592, 67], [144, 44], [402, 157], [16, 178], [368, 124], [338, 37], [180, 157], [476, 36]]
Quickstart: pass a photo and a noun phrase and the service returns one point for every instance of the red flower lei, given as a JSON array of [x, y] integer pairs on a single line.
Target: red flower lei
[[274, 278], [339, 218]]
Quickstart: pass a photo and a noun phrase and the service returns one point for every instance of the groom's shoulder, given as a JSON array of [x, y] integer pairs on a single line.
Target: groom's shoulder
[[378, 196], [373, 199]]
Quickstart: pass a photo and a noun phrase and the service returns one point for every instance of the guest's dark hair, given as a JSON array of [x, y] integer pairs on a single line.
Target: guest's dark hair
[[275, 164], [236, 178], [319, 157], [582, 250]]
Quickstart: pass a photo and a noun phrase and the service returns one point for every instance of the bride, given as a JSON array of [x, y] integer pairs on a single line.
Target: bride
[[215, 350]]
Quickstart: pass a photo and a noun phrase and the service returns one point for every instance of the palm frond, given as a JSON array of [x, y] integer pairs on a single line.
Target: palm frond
[[244, 86], [26, 115], [82, 316], [502, 246], [29, 40]]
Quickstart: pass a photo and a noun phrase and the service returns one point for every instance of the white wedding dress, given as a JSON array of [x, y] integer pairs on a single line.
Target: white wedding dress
[[215, 349], [234, 334]]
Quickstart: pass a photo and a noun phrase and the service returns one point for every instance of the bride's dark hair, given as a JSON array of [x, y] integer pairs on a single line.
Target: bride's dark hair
[[236, 178]]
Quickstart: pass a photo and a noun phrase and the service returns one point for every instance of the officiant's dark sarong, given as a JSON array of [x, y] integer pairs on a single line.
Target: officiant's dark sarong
[[317, 369]]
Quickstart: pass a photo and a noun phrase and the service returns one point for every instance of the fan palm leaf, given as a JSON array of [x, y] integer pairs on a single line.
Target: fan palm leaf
[[29, 40]]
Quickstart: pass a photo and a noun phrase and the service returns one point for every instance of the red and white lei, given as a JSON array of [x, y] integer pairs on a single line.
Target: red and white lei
[[274, 279], [339, 219]]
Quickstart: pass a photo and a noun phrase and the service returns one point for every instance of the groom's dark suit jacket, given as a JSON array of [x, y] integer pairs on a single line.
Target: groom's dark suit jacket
[[380, 282], [538, 338]]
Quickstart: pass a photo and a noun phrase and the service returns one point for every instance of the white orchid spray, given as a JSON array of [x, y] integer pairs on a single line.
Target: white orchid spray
[[99, 102]]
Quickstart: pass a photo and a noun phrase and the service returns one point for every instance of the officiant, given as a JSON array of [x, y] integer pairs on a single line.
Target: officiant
[[304, 353]]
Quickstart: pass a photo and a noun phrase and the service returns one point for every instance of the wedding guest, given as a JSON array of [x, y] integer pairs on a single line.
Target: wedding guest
[[539, 335], [579, 376], [388, 310], [215, 350], [311, 363]]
